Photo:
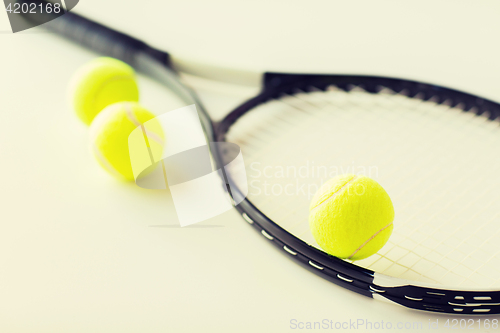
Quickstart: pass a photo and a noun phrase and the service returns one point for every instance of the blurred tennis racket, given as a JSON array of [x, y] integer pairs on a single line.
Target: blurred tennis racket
[[432, 148]]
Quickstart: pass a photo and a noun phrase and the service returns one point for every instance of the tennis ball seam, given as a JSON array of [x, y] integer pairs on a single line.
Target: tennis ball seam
[[148, 135], [368, 240], [104, 161], [153, 136], [130, 115], [108, 81], [346, 185]]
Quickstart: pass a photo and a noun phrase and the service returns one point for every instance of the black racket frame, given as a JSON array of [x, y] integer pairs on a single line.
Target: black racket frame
[[157, 64]]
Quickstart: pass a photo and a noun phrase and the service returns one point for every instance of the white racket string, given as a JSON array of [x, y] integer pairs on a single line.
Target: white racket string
[[438, 163]]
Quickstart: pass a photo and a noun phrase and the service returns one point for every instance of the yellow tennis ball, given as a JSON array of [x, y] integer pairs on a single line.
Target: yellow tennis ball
[[109, 135], [99, 83], [351, 217]]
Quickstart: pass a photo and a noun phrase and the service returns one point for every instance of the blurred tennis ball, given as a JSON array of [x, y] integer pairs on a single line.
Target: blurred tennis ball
[[351, 217], [109, 135], [99, 83]]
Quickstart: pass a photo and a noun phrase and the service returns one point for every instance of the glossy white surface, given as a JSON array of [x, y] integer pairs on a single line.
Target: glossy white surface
[[82, 252]]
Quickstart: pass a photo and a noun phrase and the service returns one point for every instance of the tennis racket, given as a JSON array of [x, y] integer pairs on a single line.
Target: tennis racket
[[432, 148]]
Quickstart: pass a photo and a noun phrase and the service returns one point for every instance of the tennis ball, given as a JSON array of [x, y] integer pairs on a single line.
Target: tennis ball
[[351, 217], [109, 135], [99, 83]]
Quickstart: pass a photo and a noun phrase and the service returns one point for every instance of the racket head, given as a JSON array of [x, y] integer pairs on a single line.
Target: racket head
[[428, 144], [415, 294]]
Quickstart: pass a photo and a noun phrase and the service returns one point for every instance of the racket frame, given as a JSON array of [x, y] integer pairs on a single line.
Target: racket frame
[[157, 64]]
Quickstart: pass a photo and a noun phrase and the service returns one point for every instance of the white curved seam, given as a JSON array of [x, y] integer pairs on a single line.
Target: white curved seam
[[151, 135], [105, 162], [130, 115], [333, 195], [369, 239], [133, 119]]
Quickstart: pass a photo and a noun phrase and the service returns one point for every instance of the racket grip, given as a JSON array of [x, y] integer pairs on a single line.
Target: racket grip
[[101, 39]]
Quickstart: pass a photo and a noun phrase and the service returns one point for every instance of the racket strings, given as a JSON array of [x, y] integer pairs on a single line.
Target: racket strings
[[435, 160], [291, 104], [303, 233]]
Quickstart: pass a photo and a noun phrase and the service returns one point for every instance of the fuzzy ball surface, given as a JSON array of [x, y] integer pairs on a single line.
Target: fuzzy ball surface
[[99, 83], [351, 217], [109, 136]]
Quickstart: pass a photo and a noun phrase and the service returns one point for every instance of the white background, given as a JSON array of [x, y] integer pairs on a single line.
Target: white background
[[82, 252]]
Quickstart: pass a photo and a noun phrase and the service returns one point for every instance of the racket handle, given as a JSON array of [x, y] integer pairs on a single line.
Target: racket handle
[[100, 38]]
